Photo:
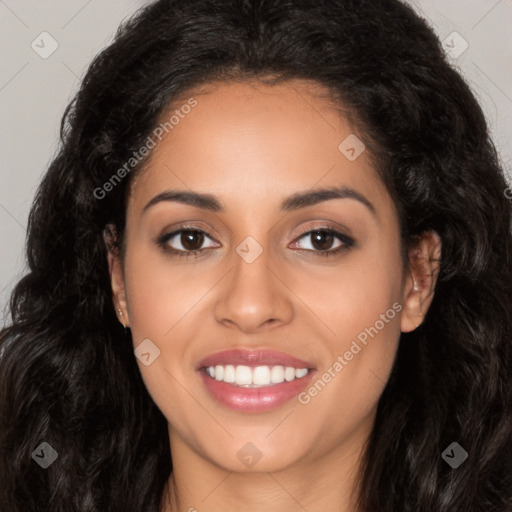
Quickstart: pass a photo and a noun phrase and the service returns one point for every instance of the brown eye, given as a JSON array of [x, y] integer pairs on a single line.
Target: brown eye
[[321, 240], [184, 241], [192, 240]]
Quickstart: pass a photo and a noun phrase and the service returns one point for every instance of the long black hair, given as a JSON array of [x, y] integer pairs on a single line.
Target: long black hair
[[68, 375]]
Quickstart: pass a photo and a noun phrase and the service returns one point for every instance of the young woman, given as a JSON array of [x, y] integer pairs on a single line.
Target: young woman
[[270, 270]]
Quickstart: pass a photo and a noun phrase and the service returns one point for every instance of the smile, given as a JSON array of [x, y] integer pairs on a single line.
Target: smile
[[254, 380]]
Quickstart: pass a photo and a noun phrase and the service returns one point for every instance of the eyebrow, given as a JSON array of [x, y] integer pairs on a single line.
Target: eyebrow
[[294, 202]]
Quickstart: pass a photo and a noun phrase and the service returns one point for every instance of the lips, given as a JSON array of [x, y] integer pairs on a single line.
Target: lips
[[253, 358], [236, 396]]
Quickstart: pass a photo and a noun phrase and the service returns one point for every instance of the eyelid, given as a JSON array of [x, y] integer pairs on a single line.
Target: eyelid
[[186, 226], [324, 224]]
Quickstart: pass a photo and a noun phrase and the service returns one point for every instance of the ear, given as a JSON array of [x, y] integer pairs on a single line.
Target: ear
[[420, 280], [115, 269]]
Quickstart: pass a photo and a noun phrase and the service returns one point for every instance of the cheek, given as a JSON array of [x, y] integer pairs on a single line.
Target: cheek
[[160, 292], [356, 311], [162, 302], [348, 297]]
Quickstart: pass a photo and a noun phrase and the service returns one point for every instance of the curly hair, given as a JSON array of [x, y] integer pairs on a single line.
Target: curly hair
[[68, 373]]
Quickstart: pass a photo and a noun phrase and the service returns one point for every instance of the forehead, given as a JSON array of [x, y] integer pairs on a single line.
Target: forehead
[[247, 139]]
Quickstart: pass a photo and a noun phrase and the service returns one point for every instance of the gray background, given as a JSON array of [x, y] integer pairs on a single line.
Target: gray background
[[35, 91]]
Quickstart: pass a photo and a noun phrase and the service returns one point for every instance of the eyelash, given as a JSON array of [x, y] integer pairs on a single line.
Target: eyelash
[[347, 242]]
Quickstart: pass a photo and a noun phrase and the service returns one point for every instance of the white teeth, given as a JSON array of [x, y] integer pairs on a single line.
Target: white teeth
[[289, 373], [243, 375], [300, 372], [258, 376], [261, 376], [277, 374], [229, 373], [219, 372]]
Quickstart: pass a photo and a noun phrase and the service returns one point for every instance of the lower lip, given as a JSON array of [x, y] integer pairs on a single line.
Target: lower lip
[[254, 399]]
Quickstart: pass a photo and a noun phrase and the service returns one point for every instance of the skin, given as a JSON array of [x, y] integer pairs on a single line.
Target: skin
[[252, 146]]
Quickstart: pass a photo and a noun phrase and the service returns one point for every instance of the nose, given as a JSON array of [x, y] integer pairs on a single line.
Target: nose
[[254, 296]]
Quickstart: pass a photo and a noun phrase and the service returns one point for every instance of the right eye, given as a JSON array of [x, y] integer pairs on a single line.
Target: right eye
[[190, 240]]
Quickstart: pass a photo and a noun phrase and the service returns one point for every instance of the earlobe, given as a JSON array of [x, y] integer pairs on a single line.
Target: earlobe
[[418, 292], [116, 275]]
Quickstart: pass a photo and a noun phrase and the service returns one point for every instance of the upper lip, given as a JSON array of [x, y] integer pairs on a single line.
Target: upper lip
[[253, 358]]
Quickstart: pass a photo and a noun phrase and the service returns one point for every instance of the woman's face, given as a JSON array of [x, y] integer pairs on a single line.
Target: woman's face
[[261, 286]]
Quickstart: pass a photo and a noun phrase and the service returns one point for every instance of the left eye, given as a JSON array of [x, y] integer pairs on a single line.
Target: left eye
[[321, 240]]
